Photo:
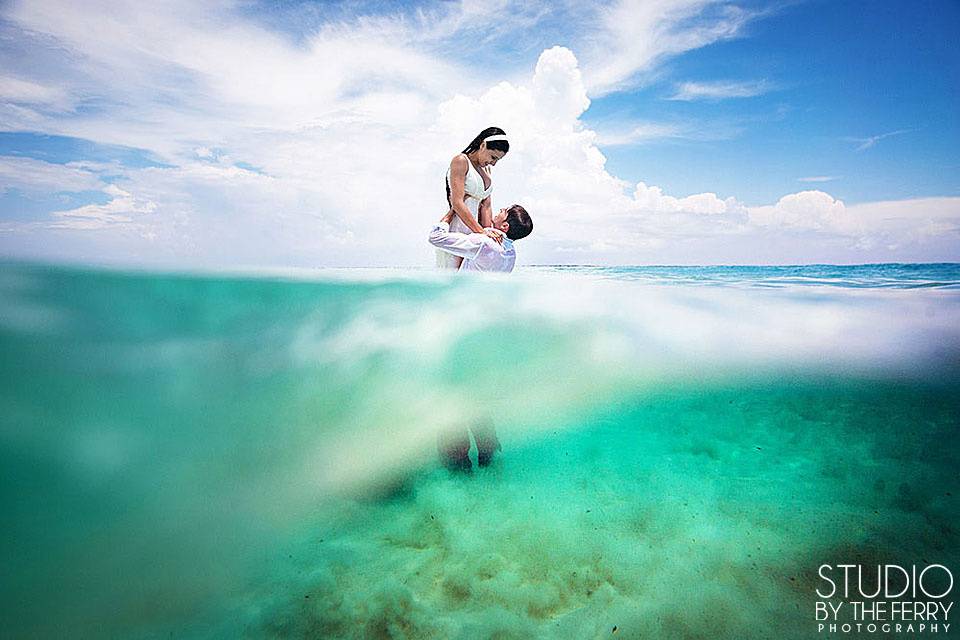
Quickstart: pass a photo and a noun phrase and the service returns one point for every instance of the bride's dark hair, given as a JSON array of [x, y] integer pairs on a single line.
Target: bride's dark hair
[[499, 145]]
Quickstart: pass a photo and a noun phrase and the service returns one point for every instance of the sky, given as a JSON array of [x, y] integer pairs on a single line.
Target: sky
[[240, 134]]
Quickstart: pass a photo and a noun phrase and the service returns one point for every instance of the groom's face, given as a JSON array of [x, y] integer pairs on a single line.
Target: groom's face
[[499, 220]]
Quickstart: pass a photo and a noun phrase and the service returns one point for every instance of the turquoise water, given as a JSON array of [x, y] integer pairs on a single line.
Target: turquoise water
[[240, 456], [868, 276]]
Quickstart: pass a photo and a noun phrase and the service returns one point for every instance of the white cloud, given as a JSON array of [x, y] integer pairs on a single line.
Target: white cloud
[[117, 211], [637, 34], [612, 132], [558, 89], [903, 223], [871, 141], [806, 210], [688, 91], [37, 176], [641, 132], [27, 92], [885, 225], [652, 199], [818, 179], [196, 74]]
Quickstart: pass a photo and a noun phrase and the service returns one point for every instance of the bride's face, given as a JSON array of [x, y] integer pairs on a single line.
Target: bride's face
[[489, 157]]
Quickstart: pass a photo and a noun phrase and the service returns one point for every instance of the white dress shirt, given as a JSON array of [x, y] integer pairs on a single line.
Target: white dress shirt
[[479, 251]]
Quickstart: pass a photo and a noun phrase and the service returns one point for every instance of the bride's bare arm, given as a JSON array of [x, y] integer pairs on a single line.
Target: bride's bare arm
[[485, 213]]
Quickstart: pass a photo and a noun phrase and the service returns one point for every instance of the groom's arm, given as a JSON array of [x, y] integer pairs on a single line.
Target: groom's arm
[[494, 234], [465, 245]]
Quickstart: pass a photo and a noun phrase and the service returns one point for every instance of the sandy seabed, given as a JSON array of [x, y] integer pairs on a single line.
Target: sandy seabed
[[682, 514]]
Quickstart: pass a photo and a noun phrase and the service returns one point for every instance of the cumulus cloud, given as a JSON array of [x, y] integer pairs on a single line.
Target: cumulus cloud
[[559, 173], [885, 228], [558, 89], [653, 199], [901, 224], [806, 209]]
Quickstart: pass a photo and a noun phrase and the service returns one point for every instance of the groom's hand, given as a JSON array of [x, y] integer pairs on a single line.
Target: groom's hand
[[496, 234]]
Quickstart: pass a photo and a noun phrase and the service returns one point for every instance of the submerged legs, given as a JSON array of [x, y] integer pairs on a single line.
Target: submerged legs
[[487, 442], [454, 447]]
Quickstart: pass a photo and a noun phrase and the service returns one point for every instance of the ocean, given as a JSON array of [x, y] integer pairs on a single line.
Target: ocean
[[244, 455]]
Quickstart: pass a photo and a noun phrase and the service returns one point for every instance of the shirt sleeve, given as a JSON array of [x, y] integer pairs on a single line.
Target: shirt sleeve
[[465, 245]]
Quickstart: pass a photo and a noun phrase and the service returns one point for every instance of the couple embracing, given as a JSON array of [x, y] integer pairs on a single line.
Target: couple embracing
[[470, 237]]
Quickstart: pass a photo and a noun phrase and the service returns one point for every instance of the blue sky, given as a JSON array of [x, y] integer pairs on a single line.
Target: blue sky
[[315, 134], [837, 74]]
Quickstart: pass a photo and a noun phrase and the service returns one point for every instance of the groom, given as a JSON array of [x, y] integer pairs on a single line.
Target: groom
[[482, 253], [479, 251]]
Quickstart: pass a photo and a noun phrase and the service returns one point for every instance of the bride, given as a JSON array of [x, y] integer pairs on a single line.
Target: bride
[[469, 185]]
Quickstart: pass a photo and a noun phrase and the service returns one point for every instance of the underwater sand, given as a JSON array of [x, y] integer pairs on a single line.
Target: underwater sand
[[697, 513]]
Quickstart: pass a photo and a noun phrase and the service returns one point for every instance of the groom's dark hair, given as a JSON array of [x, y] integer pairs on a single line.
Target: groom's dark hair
[[520, 223]]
